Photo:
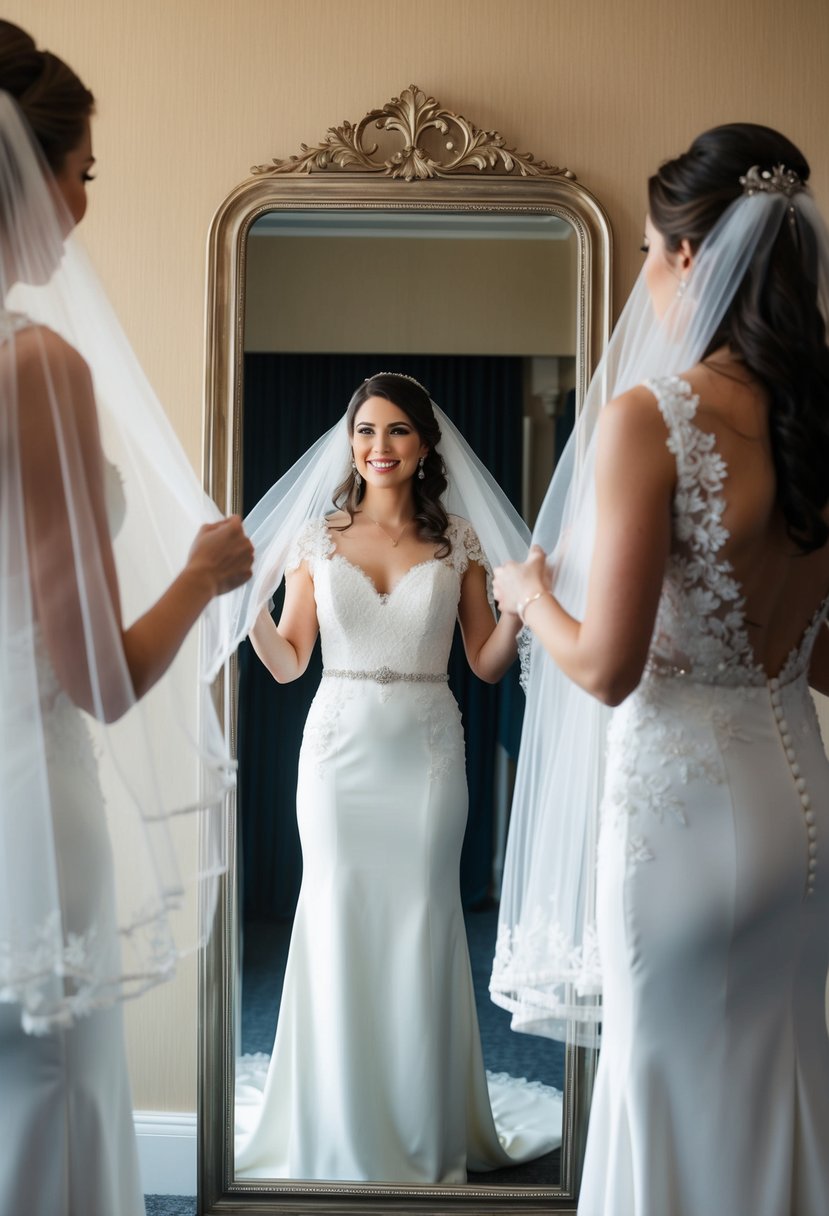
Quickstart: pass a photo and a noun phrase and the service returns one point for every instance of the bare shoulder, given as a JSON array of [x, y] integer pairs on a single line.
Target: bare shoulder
[[636, 410], [39, 345], [50, 369], [632, 434]]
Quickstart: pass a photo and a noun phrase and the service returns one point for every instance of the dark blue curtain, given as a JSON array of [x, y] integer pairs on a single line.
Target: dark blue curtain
[[289, 401]]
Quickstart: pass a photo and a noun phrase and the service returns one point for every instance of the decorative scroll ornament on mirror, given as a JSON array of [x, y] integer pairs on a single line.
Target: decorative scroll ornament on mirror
[[407, 169], [413, 115]]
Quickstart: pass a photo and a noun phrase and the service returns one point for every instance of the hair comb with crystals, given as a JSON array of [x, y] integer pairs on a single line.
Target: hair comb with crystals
[[778, 180]]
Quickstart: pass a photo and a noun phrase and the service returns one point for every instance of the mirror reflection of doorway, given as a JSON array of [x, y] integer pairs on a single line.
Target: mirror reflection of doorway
[[514, 409]]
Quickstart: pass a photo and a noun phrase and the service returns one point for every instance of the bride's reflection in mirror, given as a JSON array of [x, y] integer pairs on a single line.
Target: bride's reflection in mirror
[[377, 1073]]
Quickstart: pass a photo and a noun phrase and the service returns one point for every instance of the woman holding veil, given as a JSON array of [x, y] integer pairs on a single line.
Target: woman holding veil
[[376, 1072], [681, 872], [100, 584]]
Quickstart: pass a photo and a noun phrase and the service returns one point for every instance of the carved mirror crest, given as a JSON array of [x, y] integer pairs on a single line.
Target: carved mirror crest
[[505, 261]]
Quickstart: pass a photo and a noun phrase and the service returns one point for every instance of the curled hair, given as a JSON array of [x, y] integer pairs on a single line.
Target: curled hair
[[52, 98], [430, 515], [774, 323]]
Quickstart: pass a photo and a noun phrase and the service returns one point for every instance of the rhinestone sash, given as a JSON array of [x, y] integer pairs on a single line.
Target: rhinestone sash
[[385, 675]]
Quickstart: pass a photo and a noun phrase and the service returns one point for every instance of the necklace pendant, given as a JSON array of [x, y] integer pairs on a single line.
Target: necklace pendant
[[394, 544]]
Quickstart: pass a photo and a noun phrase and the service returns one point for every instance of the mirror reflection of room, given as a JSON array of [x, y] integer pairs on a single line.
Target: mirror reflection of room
[[415, 294]]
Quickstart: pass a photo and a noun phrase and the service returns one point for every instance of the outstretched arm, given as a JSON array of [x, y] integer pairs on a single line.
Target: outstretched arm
[[490, 647], [286, 649], [635, 475]]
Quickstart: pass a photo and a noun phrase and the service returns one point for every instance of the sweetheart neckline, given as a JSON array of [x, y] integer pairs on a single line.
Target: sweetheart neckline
[[385, 595]]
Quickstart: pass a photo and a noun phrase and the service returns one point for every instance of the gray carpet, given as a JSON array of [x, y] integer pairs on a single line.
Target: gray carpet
[[170, 1205]]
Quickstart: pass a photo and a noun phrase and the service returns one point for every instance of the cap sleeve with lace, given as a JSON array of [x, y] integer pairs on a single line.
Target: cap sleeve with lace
[[312, 544], [466, 547]]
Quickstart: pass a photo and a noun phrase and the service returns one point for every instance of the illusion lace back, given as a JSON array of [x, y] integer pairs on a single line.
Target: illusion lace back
[[712, 898], [377, 1072], [701, 625]]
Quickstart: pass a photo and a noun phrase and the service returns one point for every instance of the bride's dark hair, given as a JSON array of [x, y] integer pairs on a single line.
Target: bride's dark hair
[[430, 514], [774, 324], [53, 99]]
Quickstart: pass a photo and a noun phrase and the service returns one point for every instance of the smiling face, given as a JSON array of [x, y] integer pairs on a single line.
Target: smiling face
[[386, 446]]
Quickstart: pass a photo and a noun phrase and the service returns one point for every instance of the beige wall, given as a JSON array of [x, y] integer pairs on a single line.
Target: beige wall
[[411, 296], [192, 93]]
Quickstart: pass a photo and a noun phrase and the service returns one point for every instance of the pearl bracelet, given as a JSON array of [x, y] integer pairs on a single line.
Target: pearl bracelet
[[524, 605]]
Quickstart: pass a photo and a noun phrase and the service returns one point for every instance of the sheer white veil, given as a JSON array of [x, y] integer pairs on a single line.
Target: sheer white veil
[[60, 632], [305, 493], [546, 969]]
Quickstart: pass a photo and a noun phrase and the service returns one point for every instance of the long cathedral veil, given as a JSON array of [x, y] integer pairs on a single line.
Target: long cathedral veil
[[60, 629], [547, 970]]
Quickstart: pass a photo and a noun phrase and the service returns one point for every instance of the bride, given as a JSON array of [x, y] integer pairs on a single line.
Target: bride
[[690, 590], [101, 582], [376, 1072]]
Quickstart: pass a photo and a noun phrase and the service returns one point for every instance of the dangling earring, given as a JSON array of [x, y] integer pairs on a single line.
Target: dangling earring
[[421, 474], [358, 481], [681, 286]]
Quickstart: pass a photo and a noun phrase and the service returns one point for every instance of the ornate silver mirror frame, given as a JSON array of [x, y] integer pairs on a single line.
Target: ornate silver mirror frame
[[441, 163]]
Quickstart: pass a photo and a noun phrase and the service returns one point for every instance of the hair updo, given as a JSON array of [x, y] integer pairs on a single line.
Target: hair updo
[[409, 396], [53, 100], [774, 323]]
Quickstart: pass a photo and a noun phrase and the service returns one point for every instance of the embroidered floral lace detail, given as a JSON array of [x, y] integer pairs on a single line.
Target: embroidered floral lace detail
[[537, 969], [655, 755], [324, 715], [313, 543], [440, 717], [466, 547], [700, 624], [82, 963]]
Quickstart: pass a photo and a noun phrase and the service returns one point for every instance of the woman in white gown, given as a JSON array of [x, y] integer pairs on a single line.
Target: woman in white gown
[[69, 666], [705, 623], [376, 1072]]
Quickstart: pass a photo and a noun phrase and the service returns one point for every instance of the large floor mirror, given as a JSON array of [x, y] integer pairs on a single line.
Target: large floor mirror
[[485, 275]]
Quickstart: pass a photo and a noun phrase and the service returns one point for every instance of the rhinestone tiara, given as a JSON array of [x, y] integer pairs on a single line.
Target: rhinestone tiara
[[778, 180], [400, 376]]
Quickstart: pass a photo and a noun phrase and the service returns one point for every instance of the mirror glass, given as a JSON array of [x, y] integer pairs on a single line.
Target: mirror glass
[[482, 308]]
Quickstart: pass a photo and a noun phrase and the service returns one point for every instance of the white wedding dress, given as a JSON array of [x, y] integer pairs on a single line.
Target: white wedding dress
[[712, 1093], [377, 1073], [67, 1140]]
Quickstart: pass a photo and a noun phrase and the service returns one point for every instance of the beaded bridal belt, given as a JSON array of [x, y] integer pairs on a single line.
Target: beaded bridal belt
[[385, 675]]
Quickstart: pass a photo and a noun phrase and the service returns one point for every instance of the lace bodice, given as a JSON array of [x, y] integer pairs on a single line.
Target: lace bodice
[[409, 629], [700, 625]]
